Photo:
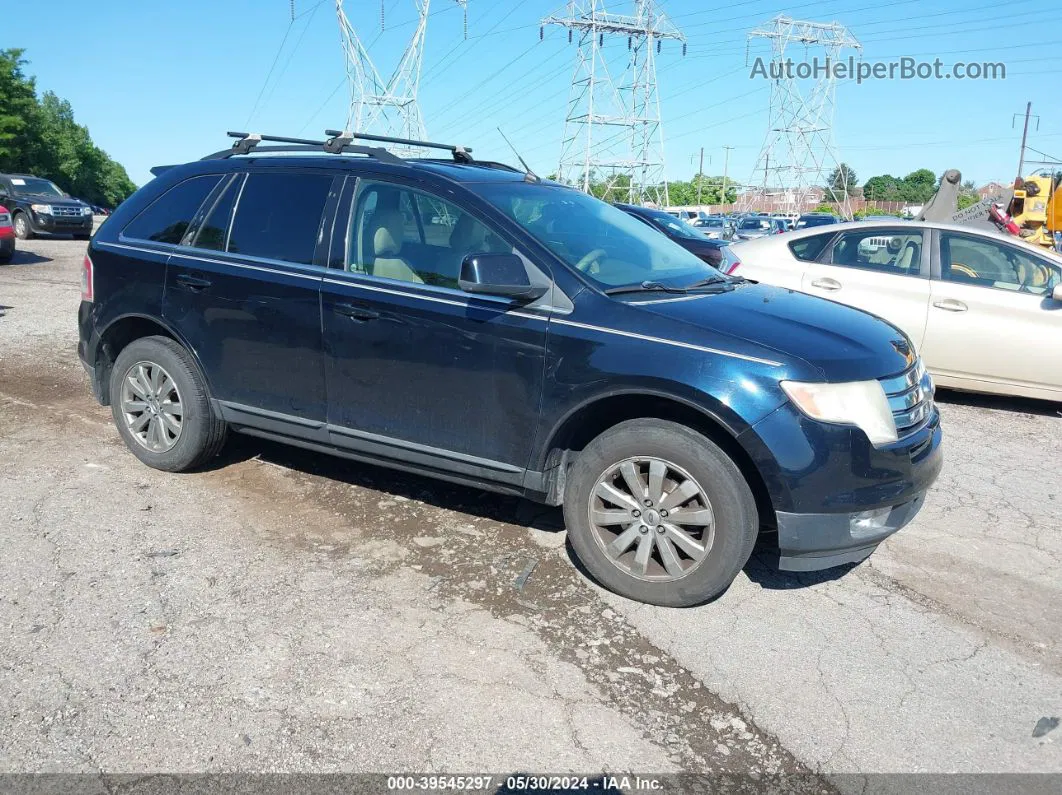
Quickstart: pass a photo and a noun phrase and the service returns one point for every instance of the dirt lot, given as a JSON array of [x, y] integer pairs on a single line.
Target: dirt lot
[[286, 611]]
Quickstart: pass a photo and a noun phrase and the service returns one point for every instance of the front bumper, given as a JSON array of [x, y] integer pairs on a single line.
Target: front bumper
[[836, 496], [61, 224], [814, 541]]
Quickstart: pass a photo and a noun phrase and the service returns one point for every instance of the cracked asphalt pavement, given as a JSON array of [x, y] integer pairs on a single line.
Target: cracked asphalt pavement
[[284, 611]]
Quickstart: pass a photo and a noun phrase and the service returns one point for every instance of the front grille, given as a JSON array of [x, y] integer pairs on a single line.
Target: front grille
[[66, 211], [910, 396]]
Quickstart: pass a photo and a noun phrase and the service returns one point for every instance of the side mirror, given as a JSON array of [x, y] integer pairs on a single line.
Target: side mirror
[[498, 274], [1056, 294]]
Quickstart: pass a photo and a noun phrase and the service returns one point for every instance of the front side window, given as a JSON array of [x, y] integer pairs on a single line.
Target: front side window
[[167, 218], [599, 240], [278, 215], [412, 236], [986, 263], [896, 251]]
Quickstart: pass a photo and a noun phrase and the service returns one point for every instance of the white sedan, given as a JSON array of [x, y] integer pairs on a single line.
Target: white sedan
[[983, 308]]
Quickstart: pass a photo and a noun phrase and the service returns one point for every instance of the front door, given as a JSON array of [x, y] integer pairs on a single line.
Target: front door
[[884, 271], [245, 292], [992, 319], [417, 369]]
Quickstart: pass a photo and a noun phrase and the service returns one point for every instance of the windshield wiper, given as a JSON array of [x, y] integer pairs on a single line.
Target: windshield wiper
[[644, 287]]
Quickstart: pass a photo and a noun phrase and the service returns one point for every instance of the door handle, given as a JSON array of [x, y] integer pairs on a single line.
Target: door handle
[[950, 305], [355, 312], [192, 282], [826, 284]]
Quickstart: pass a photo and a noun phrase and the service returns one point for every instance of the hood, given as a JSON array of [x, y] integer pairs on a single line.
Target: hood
[[843, 343]]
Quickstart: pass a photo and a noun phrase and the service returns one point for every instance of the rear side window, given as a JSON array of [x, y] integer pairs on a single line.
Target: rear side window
[[278, 216], [167, 218], [215, 227], [808, 249]]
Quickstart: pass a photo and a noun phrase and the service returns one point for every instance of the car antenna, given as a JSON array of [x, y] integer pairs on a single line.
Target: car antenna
[[533, 177]]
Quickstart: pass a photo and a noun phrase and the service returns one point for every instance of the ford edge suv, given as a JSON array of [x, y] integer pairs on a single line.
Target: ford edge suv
[[471, 322]]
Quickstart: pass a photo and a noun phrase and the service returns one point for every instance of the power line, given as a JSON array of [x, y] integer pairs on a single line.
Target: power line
[[272, 66]]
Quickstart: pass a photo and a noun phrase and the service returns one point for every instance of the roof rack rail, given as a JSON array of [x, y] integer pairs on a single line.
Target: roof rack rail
[[462, 154], [247, 143]]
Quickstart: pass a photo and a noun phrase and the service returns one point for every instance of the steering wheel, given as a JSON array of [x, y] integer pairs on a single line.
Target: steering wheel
[[590, 260]]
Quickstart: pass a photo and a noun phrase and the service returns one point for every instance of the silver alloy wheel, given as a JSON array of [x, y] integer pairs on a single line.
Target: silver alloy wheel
[[151, 406], [21, 226], [652, 519]]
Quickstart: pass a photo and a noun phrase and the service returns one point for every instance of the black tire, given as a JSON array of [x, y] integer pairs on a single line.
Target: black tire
[[23, 227], [202, 434], [731, 500]]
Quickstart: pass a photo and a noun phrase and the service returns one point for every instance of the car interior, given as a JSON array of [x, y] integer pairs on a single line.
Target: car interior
[[986, 264]]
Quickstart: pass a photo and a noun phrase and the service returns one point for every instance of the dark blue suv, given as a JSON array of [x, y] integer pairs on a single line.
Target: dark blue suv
[[471, 322]]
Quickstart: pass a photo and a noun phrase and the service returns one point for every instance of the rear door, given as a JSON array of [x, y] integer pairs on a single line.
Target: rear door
[[244, 290], [992, 320], [882, 270], [783, 265]]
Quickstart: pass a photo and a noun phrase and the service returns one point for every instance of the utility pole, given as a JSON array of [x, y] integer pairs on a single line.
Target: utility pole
[[726, 169], [700, 177], [613, 127], [1024, 135], [387, 107], [799, 145]]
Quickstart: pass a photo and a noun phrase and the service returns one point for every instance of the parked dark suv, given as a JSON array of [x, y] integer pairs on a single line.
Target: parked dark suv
[[474, 323], [38, 205]]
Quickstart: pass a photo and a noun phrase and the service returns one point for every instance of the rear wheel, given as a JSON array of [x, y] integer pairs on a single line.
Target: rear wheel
[[159, 402], [660, 514], [23, 230]]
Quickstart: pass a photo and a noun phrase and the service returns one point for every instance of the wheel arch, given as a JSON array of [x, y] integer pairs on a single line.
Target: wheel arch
[[588, 420], [122, 331]]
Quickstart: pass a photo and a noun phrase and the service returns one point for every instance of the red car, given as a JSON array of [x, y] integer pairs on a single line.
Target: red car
[[7, 237]]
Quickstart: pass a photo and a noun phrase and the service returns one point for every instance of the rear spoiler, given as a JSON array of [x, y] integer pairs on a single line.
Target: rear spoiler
[[158, 170]]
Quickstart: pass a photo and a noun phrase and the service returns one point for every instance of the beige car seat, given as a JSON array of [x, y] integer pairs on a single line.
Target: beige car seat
[[387, 245]]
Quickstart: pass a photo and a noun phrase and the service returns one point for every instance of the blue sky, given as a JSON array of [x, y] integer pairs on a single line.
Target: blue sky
[[161, 82]]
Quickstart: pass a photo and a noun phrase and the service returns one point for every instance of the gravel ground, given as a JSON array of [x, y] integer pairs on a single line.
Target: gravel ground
[[284, 611]]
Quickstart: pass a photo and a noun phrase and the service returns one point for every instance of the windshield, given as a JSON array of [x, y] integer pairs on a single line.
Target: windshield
[[610, 247], [710, 222], [755, 223], [32, 186]]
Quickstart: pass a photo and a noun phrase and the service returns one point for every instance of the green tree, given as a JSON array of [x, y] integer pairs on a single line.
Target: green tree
[[41, 137], [919, 186], [883, 188], [842, 182]]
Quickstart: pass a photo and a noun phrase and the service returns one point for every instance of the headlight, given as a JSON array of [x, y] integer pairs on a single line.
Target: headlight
[[86, 211], [859, 403], [42, 208]]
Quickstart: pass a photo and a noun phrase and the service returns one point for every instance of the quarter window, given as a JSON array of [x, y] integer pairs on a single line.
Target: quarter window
[[808, 249], [278, 216], [893, 251], [167, 218], [412, 236], [986, 263]]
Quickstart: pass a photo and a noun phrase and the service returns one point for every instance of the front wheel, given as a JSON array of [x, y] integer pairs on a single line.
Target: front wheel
[[23, 229], [660, 514], [159, 402]]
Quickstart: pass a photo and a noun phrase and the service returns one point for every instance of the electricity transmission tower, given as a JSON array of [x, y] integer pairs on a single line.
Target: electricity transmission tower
[[798, 152], [612, 131], [387, 107]]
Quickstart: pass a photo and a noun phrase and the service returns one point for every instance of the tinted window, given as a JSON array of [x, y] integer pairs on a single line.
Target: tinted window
[[167, 218], [413, 236], [986, 263], [215, 227], [278, 216], [815, 220], [896, 251], [808, 249]]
